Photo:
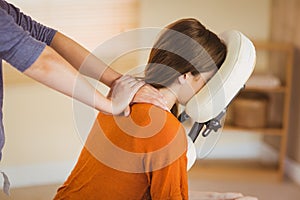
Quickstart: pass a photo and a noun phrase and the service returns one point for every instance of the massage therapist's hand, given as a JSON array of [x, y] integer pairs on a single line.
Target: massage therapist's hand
[[122, 92], [195, 195], [148, 94]]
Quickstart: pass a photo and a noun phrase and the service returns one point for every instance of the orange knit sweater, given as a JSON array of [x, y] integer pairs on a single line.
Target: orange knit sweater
[[142, 156]]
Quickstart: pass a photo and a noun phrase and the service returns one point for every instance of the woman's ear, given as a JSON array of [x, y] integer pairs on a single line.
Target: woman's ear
[[183, 78]]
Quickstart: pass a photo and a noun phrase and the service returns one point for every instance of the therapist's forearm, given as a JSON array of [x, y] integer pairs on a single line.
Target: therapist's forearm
[[53, 71], [76, 55]]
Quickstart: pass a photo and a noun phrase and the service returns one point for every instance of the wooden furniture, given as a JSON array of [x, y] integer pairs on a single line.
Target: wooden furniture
[[276, 59]]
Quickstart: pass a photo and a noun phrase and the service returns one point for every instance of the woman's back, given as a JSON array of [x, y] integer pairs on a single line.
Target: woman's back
[[137, 157]]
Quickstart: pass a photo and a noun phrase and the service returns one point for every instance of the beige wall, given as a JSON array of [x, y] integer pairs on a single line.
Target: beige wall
[[39, 122], [252, 17]]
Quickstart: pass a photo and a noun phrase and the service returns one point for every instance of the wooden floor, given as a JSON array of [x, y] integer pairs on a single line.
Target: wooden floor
[[261, 183], [262, 188], [45, 192]]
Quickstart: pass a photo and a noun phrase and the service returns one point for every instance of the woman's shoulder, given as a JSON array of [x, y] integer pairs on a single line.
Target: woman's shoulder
[[151, 112], [157, 120], [145, 114], [147, 128]]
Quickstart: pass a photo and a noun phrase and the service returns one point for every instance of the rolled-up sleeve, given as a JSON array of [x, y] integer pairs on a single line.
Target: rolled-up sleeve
[[17, 46]]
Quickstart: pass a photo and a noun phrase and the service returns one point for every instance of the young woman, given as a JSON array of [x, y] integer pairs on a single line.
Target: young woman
[[143, 156]]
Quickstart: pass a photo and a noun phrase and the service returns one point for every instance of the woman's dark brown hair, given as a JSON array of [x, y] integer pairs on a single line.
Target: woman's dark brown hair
[[183, 46]]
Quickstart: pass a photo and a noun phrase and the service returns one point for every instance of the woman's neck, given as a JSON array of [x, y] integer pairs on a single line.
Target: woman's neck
[[169, 95]]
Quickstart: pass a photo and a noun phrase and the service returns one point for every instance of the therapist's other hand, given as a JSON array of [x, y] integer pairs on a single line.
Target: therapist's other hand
[[195, 195], [122, 92], [149, 94]]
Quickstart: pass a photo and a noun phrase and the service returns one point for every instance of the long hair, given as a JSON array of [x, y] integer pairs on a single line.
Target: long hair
[[183, 46]]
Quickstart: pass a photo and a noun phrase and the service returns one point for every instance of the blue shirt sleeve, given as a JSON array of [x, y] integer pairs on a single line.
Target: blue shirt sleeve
[[36, 30], [17, 46]]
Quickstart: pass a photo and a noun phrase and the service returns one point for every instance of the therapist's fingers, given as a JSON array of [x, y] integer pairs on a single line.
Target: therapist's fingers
[[148, 94], [122, 92], [127, 111]]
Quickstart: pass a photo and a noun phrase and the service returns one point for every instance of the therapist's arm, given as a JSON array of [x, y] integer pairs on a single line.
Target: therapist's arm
[[55, 72], [93, 67], [76, 55]]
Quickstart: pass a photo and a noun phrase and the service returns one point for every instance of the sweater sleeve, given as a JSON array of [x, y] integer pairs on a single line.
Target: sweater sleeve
[[36, 30], [169, 182]]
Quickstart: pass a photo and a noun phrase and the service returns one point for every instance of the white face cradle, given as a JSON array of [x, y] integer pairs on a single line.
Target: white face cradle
[[227, 82], [216, 95]]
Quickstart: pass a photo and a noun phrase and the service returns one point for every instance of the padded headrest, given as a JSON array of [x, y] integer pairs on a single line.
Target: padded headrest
[[227, 82]]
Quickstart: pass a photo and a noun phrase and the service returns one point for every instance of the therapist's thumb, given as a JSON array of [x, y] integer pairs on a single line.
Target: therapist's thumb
[[127, 111]]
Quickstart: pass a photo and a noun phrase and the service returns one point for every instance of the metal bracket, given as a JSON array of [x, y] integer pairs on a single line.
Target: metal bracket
[[213, 124]]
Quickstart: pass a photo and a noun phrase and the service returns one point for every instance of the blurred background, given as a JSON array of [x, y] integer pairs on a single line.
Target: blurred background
[[258, 152]]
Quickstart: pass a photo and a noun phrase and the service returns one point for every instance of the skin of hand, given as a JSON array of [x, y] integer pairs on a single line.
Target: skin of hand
[[124, 89], [145, 94], [149, 94], [196, 195]]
